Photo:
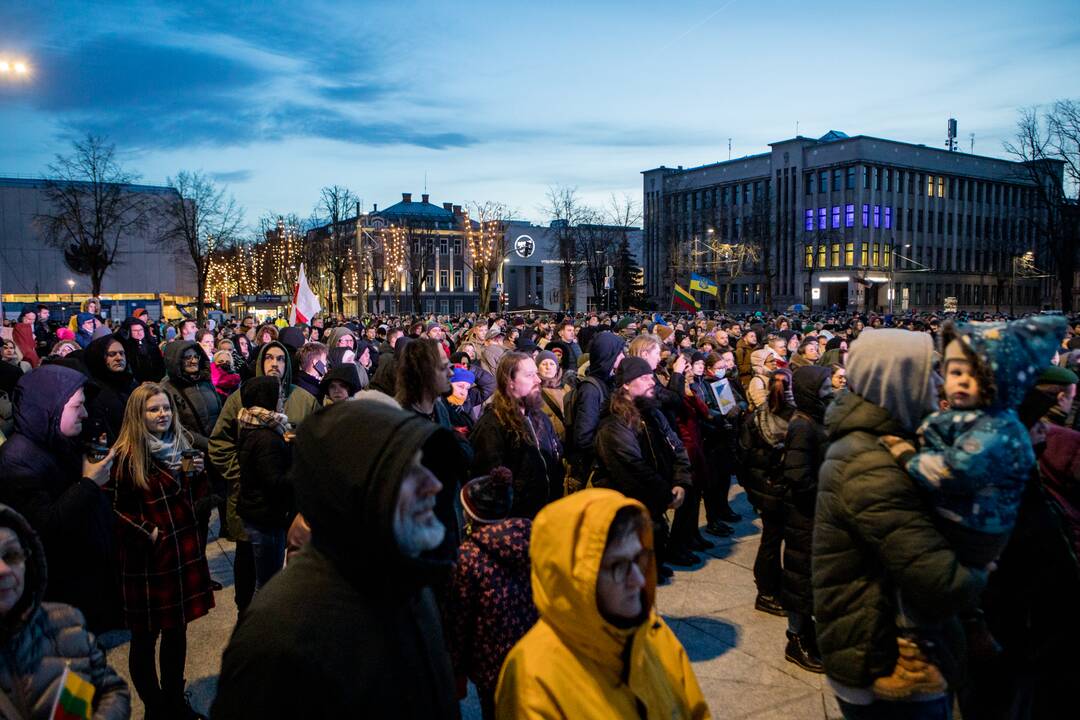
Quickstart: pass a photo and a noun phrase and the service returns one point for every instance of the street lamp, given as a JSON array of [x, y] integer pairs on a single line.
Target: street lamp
[[14, 68], [71, 291]]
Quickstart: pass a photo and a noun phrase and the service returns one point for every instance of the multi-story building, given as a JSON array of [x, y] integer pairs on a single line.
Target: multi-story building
[[851, 223], [146, 273]]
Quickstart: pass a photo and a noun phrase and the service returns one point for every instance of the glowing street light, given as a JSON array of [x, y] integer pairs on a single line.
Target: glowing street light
[[14, 67]]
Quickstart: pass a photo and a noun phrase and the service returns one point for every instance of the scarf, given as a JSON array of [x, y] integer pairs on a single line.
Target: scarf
[[166, 449], [257, 417]]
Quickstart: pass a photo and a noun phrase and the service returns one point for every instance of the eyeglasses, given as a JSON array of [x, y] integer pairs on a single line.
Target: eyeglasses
[[13, 556], [620, 569]]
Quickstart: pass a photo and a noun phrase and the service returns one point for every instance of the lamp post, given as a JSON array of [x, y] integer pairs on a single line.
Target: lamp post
[[71, 291]]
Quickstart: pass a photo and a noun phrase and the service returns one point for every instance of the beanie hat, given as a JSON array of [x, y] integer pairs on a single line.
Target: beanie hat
[[698, 356], [1054, 375], [630, 369], [64, 334], [488, 499], [546, 355], [84, 316], [262, 391], [463, 375]]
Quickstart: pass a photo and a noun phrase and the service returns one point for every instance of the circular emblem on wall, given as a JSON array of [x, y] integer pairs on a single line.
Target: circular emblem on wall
[[524, 246]]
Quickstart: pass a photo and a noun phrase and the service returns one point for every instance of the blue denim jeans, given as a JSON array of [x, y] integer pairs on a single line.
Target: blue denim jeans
[[940, 709], [268, 547]]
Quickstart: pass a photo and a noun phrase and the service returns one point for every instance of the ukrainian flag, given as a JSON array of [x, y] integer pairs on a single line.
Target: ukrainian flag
[[705, 285]]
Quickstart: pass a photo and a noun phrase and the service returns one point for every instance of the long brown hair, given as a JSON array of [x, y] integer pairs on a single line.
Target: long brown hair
[[780, 390], [417, 367], [133, 444], [507, 409], [623, 407]]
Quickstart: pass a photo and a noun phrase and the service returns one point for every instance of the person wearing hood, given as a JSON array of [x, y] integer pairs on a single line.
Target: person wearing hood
[[194, 400], [112, 384], [588, 404], [22, 334], [385, 379], [804, 451], [341, 382], [554, 386], [293, 339], [367, 356], [489, 605], [158, 480], [44, 641], [873, 535], [143, 356], [49, 481], [746, 345], [365, 476], [341, 336], [599, 649], [87, 323], [273, 359], [764, 362]]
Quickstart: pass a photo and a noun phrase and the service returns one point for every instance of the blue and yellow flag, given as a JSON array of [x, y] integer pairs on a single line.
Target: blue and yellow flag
[[700, 284]]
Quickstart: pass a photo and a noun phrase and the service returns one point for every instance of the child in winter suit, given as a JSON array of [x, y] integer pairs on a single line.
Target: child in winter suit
[[974, 461]]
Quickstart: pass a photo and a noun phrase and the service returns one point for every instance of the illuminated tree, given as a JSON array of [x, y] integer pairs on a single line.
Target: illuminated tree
[[485, 245]]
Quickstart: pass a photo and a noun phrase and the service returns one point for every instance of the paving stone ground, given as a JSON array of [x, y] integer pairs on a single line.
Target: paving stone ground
[[737, 652]]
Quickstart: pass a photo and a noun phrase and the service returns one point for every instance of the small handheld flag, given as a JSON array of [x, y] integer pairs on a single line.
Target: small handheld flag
[[75, 700], [702, 284], [684, 299]]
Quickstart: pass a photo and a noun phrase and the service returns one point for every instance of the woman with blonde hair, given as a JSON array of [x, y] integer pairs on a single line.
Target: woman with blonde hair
[[158, 480]]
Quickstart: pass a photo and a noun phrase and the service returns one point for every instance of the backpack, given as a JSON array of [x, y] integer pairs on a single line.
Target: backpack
[[570, 404], [577, 476]]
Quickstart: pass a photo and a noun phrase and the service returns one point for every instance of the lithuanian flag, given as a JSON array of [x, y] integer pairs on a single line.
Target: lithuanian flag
[[684, 299], [702, 284], [75, 701]]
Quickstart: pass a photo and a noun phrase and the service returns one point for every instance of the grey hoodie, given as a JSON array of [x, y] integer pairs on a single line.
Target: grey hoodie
[[893, 369]]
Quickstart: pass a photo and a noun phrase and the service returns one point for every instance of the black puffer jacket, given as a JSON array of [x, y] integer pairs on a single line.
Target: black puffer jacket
[[590, 402], [369, 640], [873, 534], [537, 469], [804, 452], [143, 356], [194, 399], [108, 393]]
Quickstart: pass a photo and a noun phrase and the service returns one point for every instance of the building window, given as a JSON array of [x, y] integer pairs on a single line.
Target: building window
[[877, 179], [864, 251], [851, 178], [725, 196], [823, 181], [429, 281], [888, 218], [849, 216], [444, 280], [940, 186], [809, 256], [822, 216], [836, 255], [877, 216], [866, 216], [837, 180], [810, 218], [911, 183], [866, 178], [849, 254], [899, 181], [457, 246], [458, 284], [808, 183], [874, 255], [886, 255], [444, 306], [836, 217], [458, 304], [930, 186], [738, 192], [444, 245], [821, 255], [888, 175]]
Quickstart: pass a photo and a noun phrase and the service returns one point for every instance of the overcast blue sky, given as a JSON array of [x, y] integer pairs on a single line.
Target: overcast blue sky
[[500, 100]]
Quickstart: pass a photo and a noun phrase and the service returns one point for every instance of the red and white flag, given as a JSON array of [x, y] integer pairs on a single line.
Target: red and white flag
[[305, 303]]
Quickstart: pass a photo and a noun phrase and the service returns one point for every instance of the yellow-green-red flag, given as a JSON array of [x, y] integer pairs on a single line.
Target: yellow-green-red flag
[[684, 299], [75, 701]]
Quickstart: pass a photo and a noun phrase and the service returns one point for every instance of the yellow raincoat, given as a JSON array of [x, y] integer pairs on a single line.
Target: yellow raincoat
[[575, 664]]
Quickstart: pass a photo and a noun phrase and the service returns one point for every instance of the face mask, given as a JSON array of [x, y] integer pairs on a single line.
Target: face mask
[[320, 367]]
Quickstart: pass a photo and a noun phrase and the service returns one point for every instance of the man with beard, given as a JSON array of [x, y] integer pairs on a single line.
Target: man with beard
[[369, 641], [515, 433], [143, 355], [641, 456]]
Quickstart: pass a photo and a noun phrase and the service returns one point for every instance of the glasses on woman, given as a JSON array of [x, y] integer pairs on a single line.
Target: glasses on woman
[[620, 569]]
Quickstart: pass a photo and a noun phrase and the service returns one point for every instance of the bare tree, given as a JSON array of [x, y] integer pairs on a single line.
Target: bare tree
[[282, 246], [1046, 146], [566, 212], [92, 208], [485, 245], [335, 204], [625, 214], [198, 220], [596, 247]]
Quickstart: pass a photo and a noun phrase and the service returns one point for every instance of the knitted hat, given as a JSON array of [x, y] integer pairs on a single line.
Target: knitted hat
[[1054, 375], [488, 499], [630, 369], [547, 355], [463, 375], [262, 391], [64, 334]]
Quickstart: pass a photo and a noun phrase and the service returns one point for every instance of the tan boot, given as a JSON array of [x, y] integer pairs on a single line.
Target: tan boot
[[914, 673]]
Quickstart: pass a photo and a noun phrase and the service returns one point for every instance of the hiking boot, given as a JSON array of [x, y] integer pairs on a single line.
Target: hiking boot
[[914, 673], [802, 653], [769, 604], [719, 529]]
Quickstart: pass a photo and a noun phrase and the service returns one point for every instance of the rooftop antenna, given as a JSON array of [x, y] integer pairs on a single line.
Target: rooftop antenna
[[729, 148], [796, 128], [950, 141], [425, 181], [971, 136]]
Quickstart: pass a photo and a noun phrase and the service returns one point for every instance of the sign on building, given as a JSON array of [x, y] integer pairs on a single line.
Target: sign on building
[[950, 304]]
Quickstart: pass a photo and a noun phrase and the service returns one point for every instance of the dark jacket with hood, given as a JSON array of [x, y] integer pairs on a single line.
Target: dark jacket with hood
[[590, 402], [42, 480], [873, 534], [42, 639], [143, 356], [266, 498], [108, 393], [385, 379], [194, 399], [537, 468], [804, 452], [369, 641]]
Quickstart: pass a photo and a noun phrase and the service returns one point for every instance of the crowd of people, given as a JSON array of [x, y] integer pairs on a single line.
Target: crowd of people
[[422, 502]]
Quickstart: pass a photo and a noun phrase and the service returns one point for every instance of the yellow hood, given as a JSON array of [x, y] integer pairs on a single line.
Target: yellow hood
[[567, 545]]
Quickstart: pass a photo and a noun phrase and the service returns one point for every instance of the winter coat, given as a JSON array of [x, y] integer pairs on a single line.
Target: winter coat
[[299, 404], [761, 452], [489, 606], [743, 349], [22, 335], [485, 382], [310, 383], [552, 398], [1059, 466], [42, 480], [369, 640], [537, 468], [691, 425], [225, 382], [107, 394], [873, 535], [165, 584], [573, 663], [590, 401], [265, 499], [42, 639], [974, 463], [143, 356], [757, 389], [194, 400], [804, 451], [643, 463]]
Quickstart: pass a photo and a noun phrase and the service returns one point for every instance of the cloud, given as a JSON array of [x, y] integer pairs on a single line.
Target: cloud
[[232, 176]]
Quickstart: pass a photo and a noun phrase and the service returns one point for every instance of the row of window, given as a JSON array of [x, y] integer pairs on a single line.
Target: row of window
[[726, 196], [875, 215], [901, 181], [444, 245], [965, 294], [842, 255], [444, 285]]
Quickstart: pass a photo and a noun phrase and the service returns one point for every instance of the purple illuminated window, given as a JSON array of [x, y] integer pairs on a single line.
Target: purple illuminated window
[[836, 216], [810, 219], [866, 216], [877, 216], [888, 218], [849, 216], [822, 218]]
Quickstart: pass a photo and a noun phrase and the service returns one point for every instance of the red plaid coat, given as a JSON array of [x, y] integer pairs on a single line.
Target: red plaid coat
[[164, 584]]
